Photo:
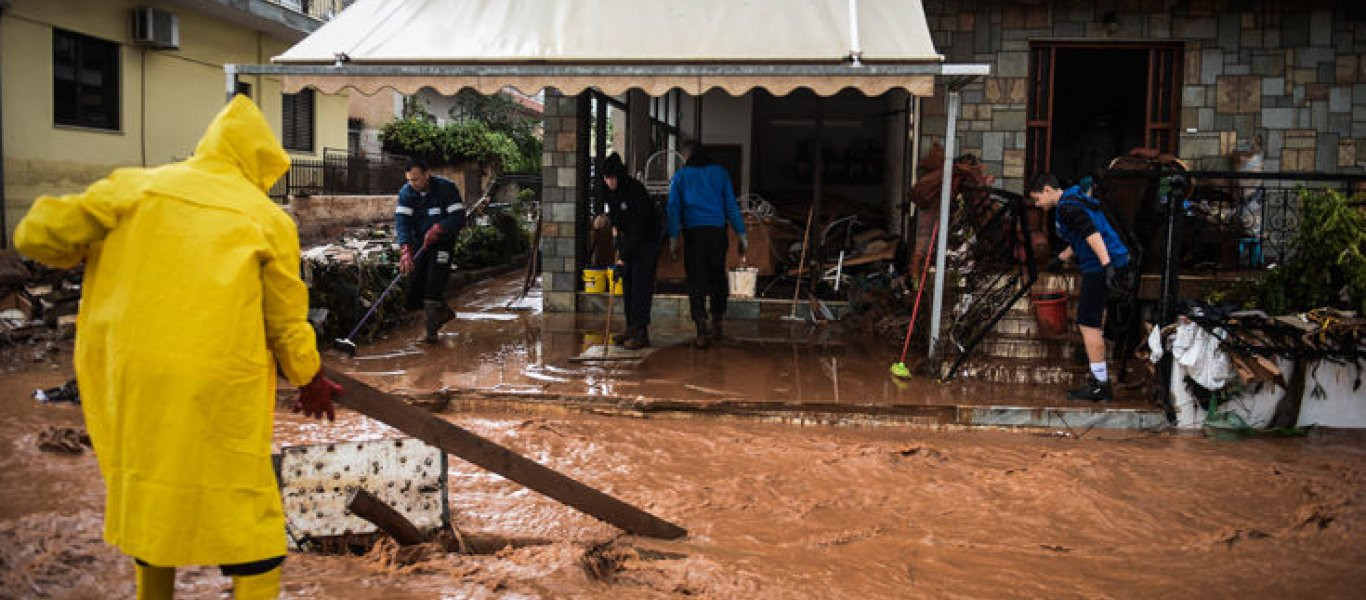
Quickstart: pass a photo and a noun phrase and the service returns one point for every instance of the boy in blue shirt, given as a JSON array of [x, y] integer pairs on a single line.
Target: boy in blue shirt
[[1100, 254]]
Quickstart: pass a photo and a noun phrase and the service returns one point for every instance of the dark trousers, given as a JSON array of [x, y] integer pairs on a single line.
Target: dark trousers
[[704, 260], [638, 283], [431, 271]]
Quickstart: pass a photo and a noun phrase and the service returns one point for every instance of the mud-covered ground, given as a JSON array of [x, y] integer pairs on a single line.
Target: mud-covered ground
[[773, 511], [778, 511]]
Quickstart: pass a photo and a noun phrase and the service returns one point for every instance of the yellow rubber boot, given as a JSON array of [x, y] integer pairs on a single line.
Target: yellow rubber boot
[[265, 586], [155, 583]]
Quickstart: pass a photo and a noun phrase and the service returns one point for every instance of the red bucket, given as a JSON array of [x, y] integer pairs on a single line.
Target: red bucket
[[1050, 311]]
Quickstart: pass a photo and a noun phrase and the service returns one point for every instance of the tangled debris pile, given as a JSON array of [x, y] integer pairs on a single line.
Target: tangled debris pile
[[347, 277], [37, 305]]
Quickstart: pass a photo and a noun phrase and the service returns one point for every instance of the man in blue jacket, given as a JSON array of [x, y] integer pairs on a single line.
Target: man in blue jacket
[[701, 205], [428, 218], [1100, 255]]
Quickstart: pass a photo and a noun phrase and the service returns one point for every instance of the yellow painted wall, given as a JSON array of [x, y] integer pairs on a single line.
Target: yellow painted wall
[[162, 114]]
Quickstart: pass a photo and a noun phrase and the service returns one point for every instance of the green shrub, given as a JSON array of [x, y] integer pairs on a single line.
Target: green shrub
[[1327, 266], [483, 131]]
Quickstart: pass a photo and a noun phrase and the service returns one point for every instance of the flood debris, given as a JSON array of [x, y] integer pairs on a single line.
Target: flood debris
[[493, 457], [366, 506], [63, 440], [348, 277], [67, 392], [37, 304], [605, 560]]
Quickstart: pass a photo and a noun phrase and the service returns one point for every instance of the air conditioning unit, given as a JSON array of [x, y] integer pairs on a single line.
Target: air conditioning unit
[[155, 28]]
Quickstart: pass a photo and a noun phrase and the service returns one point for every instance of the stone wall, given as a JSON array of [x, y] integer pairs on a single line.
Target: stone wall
[[323, 218], [1293, 73], [559, 203]]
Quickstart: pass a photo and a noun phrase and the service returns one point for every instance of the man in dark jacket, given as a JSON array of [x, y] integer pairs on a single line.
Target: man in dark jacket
[[636, 230], [429, 217], [701, 205], [1100, 255]]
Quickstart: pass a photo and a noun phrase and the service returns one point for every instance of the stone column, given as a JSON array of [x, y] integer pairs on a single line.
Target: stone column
[[559, 199]]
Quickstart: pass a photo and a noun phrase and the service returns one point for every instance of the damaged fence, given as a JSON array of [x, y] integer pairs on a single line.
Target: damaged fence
[[990, 265]]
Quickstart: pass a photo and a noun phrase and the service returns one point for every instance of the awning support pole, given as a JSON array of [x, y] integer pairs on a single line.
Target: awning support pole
[[230, 79], [945, 190]]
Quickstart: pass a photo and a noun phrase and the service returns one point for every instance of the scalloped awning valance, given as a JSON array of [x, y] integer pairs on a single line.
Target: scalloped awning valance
[[615, 45]]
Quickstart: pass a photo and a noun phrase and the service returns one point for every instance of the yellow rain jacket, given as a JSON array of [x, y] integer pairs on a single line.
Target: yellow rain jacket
[[191, 296]]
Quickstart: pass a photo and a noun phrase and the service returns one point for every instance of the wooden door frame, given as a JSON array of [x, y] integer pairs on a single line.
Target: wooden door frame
[[1039, 118]]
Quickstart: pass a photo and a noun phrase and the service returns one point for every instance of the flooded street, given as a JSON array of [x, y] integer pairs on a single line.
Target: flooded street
[[772, 510]]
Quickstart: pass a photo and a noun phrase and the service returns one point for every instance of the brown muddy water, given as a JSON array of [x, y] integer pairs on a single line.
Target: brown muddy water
[[772, 511]]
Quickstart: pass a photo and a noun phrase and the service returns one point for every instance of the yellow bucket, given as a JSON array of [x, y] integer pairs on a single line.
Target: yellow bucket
[[595, 281], [617, 286]]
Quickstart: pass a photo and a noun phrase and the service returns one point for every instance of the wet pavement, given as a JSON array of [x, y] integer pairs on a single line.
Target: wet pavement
[[773, 511], [761, 366]]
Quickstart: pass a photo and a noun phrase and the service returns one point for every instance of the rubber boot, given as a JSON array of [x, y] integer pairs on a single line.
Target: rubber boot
[[640, 339], [716, 329], [622, 338], [265, 586], [438, 314], [703, 338], [155, 583]]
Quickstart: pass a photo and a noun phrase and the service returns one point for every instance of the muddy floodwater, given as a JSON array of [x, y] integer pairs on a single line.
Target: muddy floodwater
[[772, 510]]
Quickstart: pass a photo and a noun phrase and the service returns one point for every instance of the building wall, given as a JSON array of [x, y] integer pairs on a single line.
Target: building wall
[[374, 111], [167, 97], [325, 218], [1293, 73], [728, 120]]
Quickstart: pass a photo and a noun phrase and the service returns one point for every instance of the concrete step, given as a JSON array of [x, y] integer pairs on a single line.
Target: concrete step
[[1049, 350], [1018, 371]]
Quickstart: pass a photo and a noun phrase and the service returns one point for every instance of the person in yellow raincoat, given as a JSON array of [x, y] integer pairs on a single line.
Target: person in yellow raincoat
[[191, 300]]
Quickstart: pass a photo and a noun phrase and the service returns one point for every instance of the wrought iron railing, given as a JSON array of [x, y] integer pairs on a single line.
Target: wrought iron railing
[[990, 266], [1230, 221], [322, 10], [339, 173]]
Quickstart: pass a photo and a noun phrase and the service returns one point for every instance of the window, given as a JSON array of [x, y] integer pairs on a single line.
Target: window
[[85, 81], [298, 121]]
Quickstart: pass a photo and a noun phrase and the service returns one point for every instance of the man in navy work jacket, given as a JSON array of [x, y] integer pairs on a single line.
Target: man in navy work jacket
[[701, 205], [1100, 255], [428, 218]]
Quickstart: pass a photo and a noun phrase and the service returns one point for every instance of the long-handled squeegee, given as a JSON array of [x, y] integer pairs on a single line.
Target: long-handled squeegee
[[346, 344]]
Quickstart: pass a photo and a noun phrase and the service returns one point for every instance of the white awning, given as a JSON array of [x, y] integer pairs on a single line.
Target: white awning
[[615, 45]]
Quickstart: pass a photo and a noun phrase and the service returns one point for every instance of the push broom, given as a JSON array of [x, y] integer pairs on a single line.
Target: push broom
[[899, 369]]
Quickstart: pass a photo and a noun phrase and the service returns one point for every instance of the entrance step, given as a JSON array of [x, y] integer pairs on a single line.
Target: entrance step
[[1023, 371], [1025, 348]]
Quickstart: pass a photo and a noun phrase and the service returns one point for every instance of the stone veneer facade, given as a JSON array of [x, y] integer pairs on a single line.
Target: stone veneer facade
[[1292, 72], [561, 182]]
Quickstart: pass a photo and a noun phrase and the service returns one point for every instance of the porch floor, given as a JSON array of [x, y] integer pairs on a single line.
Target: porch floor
[[766, 368]]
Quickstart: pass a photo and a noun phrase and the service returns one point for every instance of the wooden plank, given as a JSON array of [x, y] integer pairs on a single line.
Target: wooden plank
[[366, 506], [484, 453]]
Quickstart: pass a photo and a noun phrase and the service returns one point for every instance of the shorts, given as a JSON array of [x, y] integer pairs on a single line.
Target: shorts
[[1091, 305]]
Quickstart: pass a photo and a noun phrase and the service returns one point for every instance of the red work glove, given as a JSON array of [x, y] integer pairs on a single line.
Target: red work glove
[[405, 259], [433, 235], [315, 399]]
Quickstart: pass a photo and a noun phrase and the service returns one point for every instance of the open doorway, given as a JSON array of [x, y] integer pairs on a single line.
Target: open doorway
[[1098, 110], [1089, 103]]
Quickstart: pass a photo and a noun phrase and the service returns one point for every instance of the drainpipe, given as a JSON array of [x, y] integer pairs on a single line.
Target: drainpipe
[[937, 308]]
